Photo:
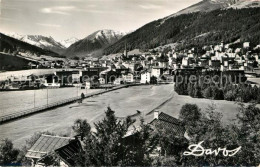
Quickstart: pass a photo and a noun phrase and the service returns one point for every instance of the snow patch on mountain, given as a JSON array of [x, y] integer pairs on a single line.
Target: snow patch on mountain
[[41, 41], [210, 5], [246, 4], [106, 36], [69, 41]]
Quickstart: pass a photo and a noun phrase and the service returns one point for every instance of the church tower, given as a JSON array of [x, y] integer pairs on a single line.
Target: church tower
[[125, 51]]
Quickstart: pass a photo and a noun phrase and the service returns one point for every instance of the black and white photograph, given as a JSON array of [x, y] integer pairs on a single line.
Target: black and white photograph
[[129, 83]]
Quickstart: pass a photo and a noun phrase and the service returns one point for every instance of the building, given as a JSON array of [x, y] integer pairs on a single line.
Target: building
[[246, 44], [90, 73], [68, 154], [168, 123], [109, 76], [128, 77], [51, 80], [65, 77], [92, 84], [215, 64], [157, 71], [145, 77], [159, 122], [119, 81], [45, 145], [102, 81]]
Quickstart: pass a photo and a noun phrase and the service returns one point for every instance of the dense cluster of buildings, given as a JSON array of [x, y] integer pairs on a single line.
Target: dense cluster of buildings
[[155, 66]]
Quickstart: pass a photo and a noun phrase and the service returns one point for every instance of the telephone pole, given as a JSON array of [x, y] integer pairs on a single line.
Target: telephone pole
[[47, 96]]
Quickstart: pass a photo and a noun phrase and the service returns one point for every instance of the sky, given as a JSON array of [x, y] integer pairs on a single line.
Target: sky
[[63, 19]]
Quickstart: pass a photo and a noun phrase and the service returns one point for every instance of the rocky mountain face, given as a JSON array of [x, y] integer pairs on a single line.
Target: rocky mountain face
[[11, 45], [47, 43], [94, 44]]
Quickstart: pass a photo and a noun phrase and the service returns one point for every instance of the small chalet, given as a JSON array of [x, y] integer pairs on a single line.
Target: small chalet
[[65, 148], [45, 145], [161, 121]]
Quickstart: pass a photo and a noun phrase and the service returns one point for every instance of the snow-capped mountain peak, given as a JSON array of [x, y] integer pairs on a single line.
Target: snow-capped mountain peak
[[41, 41], [107, 36], [68, 42], [94, 43]]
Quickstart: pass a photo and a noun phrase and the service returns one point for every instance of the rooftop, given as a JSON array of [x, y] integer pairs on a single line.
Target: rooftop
[[46, 144], [169, 123], [68, 152]]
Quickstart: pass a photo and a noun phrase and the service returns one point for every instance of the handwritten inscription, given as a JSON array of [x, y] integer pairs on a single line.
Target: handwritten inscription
[[198, 150]]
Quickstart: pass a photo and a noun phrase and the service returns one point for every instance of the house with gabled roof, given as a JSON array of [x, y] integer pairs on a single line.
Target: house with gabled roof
[[168, 123], [45, 146], [158, 121]]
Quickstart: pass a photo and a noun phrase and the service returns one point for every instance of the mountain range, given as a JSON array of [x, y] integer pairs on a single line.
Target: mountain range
[[10, 44], [94, 44], [41, 41]]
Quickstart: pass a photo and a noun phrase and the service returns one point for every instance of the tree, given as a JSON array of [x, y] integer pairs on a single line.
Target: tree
[[8, 154], [230, 96], [172, 145], [139, 146], [103, 147], [190, 89], [109, 134], [189, 113], [214, 135], [217, 93], [153, 80], [109, 146], [197, 92], [81, 128], [249, 134], [76, 58], [208, 92], [254, 93], [150, 58], [211, 131]]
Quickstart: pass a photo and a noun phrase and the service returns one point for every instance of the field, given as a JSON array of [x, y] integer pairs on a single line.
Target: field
[[124, 101], [15, 101]]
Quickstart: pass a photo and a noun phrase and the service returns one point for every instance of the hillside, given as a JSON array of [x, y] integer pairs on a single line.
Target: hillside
[[93, 44], [47, 43], [205, 6], [195, 29], [9, 44], [9, 62], [210, 5]]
